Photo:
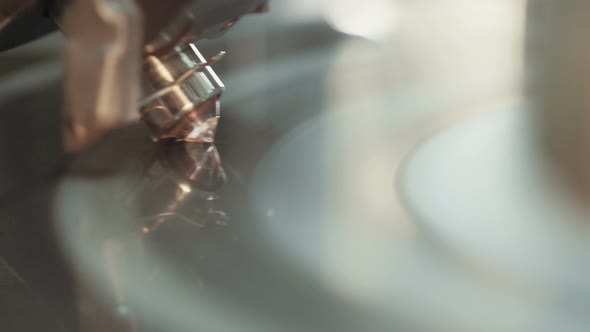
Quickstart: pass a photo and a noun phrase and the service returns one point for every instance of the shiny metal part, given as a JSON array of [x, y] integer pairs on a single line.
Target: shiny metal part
[[197, 166], [182, 90], [183, 94], [108, 43], [187, 175]]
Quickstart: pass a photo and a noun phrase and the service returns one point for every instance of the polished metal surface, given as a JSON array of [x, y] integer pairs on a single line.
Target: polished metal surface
[[182, 95], [107, 40]]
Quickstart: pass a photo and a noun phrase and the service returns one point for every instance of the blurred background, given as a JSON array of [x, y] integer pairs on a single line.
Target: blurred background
[[38, 52], [372, 171]]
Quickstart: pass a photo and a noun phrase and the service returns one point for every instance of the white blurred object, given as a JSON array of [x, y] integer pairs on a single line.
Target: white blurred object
[[371, 19]]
